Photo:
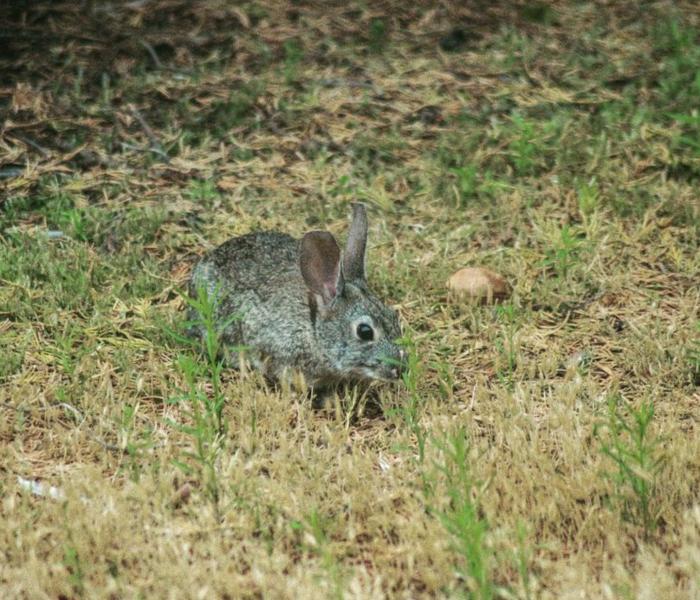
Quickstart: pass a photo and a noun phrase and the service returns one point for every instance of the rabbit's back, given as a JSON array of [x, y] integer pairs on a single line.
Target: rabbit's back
[[248, 271], [250, 261], [256, 278]]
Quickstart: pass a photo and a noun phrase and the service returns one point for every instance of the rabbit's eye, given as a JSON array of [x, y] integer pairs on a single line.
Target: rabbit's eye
[[365, 332]]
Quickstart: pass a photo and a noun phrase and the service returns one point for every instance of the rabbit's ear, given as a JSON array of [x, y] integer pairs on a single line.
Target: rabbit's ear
[[320, 265], [354, 259]]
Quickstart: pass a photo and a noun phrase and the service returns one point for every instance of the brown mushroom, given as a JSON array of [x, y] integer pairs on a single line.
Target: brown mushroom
[[478, 284]]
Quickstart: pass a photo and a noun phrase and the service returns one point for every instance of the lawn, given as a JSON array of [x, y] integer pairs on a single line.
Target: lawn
[[543, 447]]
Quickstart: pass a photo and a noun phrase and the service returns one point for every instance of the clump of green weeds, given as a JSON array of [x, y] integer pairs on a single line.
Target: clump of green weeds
[[410, 409], [134, 440], [11, 358], [524, 148], [688, 137], [566, 253], [506, 343], [627, 439], [377, 35], [317, 526], [73, 564], [588, 195], [463, 518], [203, 400], [293, 56], [522, 558], [465, 181], [676, 46], [203, 191]]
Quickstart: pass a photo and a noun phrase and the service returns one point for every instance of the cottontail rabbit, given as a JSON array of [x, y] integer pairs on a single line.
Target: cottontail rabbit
[[301, 307]]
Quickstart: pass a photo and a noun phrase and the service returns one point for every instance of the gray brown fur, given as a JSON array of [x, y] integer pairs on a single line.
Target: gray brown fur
[[298, 309]]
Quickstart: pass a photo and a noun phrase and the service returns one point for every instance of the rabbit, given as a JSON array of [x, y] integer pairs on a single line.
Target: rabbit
[[293, 305]]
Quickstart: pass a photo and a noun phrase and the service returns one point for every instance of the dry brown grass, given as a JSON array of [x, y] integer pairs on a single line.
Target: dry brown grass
[[149, 132]]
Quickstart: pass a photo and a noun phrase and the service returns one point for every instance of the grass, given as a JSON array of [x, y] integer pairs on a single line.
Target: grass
[[634, 451], [203, 405], [545, 447], [462, 518]]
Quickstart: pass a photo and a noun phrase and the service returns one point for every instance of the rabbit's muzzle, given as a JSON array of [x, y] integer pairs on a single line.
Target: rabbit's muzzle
[[394, 365], [386, 365]]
